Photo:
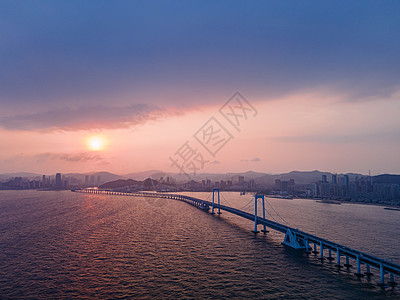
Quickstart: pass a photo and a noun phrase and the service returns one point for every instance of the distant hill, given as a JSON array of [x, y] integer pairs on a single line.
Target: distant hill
[[304, 177], [104, 176], [20, 174], [386, 178], [300, 177], [119, 183], [146, 174]]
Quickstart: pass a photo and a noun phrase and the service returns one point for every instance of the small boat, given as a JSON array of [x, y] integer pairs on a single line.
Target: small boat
[[392, 208]]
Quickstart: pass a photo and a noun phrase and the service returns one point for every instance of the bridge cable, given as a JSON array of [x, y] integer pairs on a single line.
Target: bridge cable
[[245, 207], [278, 214], [209, 194], [270, 215], [229, 204]]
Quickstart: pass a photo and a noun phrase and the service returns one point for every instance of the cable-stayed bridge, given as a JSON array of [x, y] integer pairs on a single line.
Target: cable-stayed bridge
[[294, 238]]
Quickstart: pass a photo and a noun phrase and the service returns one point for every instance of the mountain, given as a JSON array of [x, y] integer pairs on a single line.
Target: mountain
[[119, 183], [386, 178], [304, 177], [104, 176], [155, 174], [19, 174]]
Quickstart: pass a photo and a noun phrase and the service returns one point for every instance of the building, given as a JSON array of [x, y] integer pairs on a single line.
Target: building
[[278, 184], [334, 179], [58, 181]]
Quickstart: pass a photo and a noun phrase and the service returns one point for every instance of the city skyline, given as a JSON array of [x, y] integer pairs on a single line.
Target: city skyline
[[100, 87]]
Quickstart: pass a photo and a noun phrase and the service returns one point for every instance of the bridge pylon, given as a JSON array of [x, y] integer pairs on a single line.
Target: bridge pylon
[[256, 197], [213, 200]]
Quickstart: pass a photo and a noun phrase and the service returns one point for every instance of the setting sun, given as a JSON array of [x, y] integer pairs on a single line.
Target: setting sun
[[96, 142]]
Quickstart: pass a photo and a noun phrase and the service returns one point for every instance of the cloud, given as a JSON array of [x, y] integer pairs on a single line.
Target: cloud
[[93, 117], [277, 48], [255, 159], [390, 136], [68, 157]]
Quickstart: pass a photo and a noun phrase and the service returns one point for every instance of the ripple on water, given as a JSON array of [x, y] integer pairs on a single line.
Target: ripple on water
[[68, 245]]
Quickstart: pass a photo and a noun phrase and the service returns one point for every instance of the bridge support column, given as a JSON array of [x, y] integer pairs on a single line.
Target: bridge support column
[[321, 248], [213, 200], [219, 203], [330, 258], [338, 258], [382, 283], [256, 213], [263, 205], [315, 249], [392, 282], [292, 241], [347, 264], [307, 246], [368, 273], [358, 274]]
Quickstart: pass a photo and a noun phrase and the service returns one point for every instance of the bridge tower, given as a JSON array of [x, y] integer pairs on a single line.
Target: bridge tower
[[256, 197], [213, 199]]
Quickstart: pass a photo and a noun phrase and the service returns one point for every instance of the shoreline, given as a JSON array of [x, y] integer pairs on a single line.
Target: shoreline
[[327, 201]]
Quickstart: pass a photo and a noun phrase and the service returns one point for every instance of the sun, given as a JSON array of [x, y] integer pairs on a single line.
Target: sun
[[96, 142]]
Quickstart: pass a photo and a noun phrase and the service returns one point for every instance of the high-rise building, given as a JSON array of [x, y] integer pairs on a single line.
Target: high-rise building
[[241, 179], [278, 184], [346, 181], [334, 179], [324, 180], [223, 184], [58, 181]]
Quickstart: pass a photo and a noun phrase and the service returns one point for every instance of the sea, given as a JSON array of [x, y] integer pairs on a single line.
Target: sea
[[66, 245]]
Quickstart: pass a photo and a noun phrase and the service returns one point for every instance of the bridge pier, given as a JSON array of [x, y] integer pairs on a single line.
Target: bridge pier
[[292, 241], [256, 213], [330, 258], [213, 199], [338, 258], [358, 274], [392, 283], [321, 248], [368, 273], [382, 272], [307, 244], [263, 205], [347, 264]]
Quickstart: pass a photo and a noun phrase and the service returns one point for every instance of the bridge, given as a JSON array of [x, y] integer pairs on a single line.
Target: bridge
[[294, 238]]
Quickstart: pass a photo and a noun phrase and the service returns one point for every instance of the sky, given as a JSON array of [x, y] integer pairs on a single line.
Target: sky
[[199, 86]]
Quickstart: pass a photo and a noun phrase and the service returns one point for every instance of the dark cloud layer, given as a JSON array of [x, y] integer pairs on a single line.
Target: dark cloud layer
[[68, 157], [99, 117], [55, 52]]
